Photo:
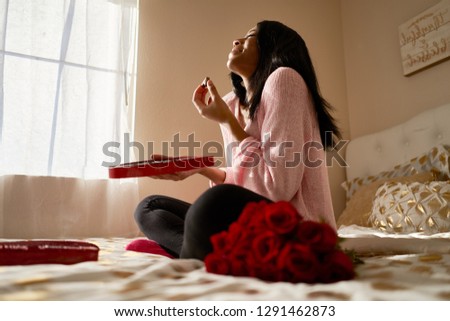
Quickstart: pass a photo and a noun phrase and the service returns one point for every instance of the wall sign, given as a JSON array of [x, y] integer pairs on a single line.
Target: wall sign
[[425, 39]]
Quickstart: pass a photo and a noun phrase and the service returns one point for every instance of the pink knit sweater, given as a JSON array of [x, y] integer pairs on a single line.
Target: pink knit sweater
[[282, 159]]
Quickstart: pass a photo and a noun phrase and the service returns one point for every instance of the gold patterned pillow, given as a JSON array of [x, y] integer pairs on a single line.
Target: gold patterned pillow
[[358, 208], [436, 160], [412, 207]]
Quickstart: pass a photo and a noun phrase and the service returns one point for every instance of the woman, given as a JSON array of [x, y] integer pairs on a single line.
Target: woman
[[274, 125]]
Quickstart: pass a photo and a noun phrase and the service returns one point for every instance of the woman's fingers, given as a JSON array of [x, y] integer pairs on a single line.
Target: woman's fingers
[[205, 82], [215, 108], [168, 177], [199, 95], [159, 157], [178, 176], [212, 90]]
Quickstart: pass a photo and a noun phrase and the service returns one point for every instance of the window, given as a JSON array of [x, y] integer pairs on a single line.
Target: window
[[67, 71]]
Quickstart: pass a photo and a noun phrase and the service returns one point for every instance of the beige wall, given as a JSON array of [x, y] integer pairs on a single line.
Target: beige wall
[[379, 96], [181, 42]]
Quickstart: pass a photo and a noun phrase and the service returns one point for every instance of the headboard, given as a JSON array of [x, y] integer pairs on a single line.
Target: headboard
[[371, 154]]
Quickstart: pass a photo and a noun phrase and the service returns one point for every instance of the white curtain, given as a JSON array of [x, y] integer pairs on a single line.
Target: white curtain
[[65, 207], [67, 71]]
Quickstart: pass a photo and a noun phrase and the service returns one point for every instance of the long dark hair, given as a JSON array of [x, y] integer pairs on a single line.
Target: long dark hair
[[280, 46]]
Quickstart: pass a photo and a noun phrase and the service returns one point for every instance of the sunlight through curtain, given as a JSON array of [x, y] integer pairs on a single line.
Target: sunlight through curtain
[[67, 70]]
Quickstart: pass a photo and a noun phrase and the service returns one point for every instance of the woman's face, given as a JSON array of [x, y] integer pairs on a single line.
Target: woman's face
[[244, 55]]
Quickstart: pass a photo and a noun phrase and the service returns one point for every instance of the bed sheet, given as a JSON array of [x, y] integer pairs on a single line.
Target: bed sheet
[[128, 275], [370, 241]]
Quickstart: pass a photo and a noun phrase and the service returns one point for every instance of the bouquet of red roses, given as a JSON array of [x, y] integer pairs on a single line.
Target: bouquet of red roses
[[272, 242]]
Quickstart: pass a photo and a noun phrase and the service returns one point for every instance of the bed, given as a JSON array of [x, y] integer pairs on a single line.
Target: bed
[[402, 261]]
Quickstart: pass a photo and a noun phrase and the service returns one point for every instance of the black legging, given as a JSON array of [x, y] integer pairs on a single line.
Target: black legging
[[184, 230]]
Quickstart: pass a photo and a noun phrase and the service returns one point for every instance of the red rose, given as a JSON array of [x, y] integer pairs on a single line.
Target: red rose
[[297, 263], [219, 241], [281, 217], [238, 261], [266, 272], [235, 235], [320, 236], [249, 212], [270, 241], [337, 266], [215, 263], [266, 246], [258, 223]]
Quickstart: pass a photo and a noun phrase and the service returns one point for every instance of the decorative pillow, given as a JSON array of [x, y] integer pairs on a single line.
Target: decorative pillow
[[359, 207], [412, 207], [437, 159]]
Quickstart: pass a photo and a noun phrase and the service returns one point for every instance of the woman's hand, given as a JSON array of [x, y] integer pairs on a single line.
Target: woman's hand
[[214, 174], [177, 176], [215, 109]]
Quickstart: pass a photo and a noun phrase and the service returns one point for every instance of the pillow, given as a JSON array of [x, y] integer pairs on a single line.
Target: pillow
[[436, 159], [412, 207], [358, 209]]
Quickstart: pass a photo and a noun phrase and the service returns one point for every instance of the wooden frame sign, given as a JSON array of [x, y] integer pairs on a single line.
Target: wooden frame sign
[[425, 39]]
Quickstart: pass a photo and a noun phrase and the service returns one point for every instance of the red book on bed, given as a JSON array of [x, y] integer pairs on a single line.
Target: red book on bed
[[160, 166], [47, 252]]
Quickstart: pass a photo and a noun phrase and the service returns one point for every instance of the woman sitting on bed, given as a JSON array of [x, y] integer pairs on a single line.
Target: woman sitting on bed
[[276, 121]]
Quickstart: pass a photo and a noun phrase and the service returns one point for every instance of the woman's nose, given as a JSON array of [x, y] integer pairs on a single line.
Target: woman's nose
[[236, 42]]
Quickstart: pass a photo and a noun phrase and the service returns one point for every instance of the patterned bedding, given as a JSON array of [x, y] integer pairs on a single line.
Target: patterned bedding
[[125, 275]]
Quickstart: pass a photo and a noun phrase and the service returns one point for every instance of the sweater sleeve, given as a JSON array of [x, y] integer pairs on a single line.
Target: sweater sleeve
[[231, 100], [273, 165]]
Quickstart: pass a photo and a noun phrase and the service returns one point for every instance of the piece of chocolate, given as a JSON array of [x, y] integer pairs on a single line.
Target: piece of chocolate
[[205, 82]]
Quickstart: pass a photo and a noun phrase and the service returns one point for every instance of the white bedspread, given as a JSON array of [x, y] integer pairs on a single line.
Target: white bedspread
[[126, 275], [369, 241]]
